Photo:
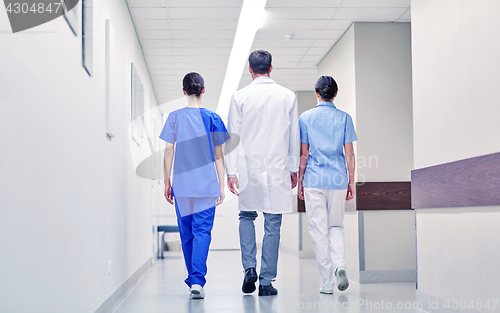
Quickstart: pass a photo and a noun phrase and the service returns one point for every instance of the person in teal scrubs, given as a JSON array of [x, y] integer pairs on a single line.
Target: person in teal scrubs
[[198, 176]]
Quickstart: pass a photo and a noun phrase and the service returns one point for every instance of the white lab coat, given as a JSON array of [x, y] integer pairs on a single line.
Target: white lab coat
[[263, 117]]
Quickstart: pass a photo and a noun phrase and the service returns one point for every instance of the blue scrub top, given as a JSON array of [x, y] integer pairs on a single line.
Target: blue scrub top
[[326, 129], [195, 131]]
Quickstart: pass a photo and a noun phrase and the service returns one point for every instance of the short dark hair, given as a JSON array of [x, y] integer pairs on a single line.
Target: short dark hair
[[260, 61], [326, 87], [193, 84]]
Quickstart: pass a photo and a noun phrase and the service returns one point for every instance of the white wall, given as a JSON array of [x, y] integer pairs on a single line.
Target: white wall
[[306, 99], [384, 101], [70, 200], [340, 64], [455, 79], [455, 105], [389, 240]]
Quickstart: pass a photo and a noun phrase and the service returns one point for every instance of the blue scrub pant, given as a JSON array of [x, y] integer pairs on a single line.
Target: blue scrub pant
[[195, 231]]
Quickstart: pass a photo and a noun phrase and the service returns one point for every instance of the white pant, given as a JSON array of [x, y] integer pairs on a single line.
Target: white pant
[[325, 220]]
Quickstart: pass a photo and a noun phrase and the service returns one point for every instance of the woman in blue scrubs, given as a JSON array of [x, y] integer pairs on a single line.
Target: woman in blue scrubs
[[326, 180], [198, 176]]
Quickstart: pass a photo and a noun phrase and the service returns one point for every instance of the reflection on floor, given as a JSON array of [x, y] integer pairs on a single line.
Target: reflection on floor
[[163, 290]]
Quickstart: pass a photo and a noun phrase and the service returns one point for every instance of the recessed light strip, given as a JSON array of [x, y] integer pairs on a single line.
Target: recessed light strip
[[252, 13]]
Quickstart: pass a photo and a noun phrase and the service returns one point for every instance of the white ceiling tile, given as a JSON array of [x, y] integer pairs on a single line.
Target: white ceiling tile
[[338, 24], [164, 78], [205, 3], [151, 24], [369, 14], [201, 34], [281, 65], [204, 24], [293, 24], [147, 3], [287, 58], [320, 51], [193, 68], [201, 65], [267, 43], [299, 13], [280, 34], [208, 43], [202, 58], [322, 43], [204, 51], [331, 33], [312, 58], [159, 58], [149, 13], [163, 65], [303, 4], [306, 65], [157, 51], [156, 43], [275, 51], [376, 3], [154, 34], [204, 13]]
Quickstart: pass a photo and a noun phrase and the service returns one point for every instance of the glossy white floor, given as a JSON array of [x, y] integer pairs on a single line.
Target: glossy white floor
[[162, 290]]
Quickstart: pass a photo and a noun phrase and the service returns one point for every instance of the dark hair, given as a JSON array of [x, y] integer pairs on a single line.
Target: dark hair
[[260, 61], [193, 84], [326, 86]]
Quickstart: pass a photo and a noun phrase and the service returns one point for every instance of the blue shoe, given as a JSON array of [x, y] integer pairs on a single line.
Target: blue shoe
[[268, 290], [249, 280]]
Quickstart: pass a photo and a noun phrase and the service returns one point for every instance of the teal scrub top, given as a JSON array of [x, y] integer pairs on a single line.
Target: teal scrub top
[[326, 130]]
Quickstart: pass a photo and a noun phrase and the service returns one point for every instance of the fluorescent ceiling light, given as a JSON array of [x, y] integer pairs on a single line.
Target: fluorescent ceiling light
[[252, 13]]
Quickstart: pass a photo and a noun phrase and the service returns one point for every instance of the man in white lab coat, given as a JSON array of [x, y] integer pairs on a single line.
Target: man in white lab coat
[[263, 169]]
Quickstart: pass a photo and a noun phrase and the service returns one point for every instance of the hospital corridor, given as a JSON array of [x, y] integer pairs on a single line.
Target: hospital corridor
[[246, 156]]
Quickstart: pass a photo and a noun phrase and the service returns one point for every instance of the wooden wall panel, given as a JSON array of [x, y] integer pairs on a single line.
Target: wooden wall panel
[[469, 182], [383, 196]]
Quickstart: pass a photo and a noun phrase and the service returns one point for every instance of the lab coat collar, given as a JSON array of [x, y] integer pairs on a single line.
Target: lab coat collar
[[263, 80], [326, 103]]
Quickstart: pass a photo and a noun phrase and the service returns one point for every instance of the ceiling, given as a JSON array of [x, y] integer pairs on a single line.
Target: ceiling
[[181, 36]]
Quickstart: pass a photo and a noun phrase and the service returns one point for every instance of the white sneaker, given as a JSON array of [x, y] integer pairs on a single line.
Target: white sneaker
[[325, 291], [342, 281], [197, 292]]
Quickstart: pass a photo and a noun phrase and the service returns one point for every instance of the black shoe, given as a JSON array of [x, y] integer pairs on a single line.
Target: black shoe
[[268, 290], [249, 280]]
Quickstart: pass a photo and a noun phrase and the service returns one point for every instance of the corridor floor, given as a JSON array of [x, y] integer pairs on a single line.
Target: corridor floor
[[162, 290]]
